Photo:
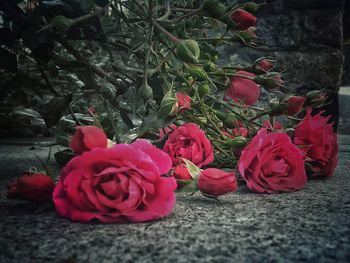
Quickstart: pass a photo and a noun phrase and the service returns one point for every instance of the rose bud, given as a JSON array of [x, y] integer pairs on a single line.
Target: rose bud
[[251, 7], [198, 73], [214, 8], [145, 92], [169, 105], [188, 51], [32, 187], [276, 107], [244, 37], [86, 138], [295, 104], [272, 81], [243, 19], [242, 89], [315, 98], [203, 89], [184, 101], [262, 66], [216, 182], [181, 172]]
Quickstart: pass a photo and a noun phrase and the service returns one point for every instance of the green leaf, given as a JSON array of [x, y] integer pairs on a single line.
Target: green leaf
[[192, 169], [63, 157], [125, 118], [53, 111], [191, 187]]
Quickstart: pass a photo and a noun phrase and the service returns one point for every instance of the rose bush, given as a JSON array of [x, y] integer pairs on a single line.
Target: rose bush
[[86, 138], [271, 163], [35, 187], [190, 142], [318, 141], [117, 184]]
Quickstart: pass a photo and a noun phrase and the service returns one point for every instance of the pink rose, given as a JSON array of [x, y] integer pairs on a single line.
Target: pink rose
[[271, 163], [32, 187], [318, 141], [86, 138], [117, 184], [184, 101], [189, 141], [295, 104], [216, 182], [243, 19], [242, 89]]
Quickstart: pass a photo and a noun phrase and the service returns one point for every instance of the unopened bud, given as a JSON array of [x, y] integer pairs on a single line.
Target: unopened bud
[[169, 105], [244, 37], [209, 66], [262, 66], [315, 98], [145, 92], [197, 73], [276, 107], [203, 89], [251, 7], [188, 51]]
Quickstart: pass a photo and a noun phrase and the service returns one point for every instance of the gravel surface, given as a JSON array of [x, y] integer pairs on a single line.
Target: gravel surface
[[312, 225]]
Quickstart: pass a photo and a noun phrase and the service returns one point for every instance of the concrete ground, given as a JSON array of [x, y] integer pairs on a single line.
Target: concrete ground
[[312, 225]]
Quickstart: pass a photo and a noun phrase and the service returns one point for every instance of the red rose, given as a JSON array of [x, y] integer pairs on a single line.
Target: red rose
[[318, 141], [184, 101], [242, 89], [216, 182], [271, 163], [243, 19], [117, 184], [241, 131], [32, 187], [189, 141], [295, 104], [86, 138]]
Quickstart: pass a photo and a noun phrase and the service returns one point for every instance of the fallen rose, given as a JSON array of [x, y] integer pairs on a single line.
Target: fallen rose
[[35, 187], [216, 182], [190, 142], [318, 141], [117, 184], [86, 138], [242, 89], [271, 163]]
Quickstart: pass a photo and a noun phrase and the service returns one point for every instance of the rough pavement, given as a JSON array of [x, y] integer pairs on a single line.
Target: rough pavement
[[312, 225]]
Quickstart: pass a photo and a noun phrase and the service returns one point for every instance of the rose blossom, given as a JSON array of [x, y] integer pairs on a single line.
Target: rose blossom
[[243, 19], [117, 184], [184, 101], [86, 138], [318, 141], [32, 187], [271, 163], [242, 89], [216, 182], [189, 141]]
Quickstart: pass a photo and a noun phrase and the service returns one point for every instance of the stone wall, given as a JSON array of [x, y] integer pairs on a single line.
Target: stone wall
[[305, 37]]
